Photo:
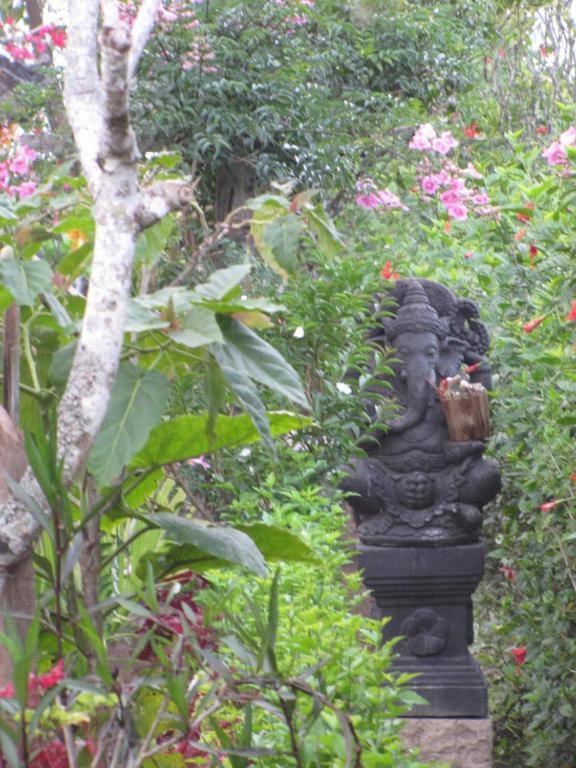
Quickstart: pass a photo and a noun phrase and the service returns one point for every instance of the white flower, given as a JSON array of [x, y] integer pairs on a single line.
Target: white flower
[[299, 333], [344, 388]]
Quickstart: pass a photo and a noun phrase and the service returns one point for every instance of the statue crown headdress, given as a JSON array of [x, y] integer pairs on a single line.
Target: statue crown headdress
[[416, 314]]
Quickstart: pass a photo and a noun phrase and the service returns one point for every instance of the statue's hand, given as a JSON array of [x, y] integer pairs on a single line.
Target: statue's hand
[[458, 451]]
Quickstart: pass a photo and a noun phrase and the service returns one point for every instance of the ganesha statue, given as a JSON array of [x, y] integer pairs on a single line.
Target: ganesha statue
[[415, 486]]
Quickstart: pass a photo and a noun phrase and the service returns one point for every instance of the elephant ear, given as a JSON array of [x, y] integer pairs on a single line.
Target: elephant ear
[[452, 352]]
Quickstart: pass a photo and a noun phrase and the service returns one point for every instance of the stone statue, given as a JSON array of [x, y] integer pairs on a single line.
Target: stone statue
[[416, 486], [417, 498]]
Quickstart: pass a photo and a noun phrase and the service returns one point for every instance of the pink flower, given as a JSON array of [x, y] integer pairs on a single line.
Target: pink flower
[[4, 175], [26, 189], [457, 211], [429, 184], [368, 201], [568, 138], [480, 198], [7, 691], [422, 139], [198, 461], [555, 154], [444, 143], [450, 197], [389, 199], [472, 172]]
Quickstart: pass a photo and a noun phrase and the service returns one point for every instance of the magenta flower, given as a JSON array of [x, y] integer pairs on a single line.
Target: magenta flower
[[480, 199], [444, 143], [25, 189], [457, 211], [368, 201], [450, 197], [422, 139], [555, 154], [429, 184], [568, 138]]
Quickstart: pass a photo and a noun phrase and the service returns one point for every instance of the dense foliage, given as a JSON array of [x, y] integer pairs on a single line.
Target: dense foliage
[[443, 137]]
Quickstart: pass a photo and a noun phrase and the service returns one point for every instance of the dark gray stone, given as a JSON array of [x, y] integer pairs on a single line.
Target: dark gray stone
[[417, 497]]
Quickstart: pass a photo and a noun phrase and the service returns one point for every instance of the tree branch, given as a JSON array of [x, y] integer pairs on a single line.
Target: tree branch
[[162, 198], [141, 32], [82, 91]]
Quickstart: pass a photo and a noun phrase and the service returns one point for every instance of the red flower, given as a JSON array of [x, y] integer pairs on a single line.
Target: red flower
[[468, 254], [58, 37], [549, 505], [523, 217], [53, 755], [508, 572], [571, 316], [545, 51], [52, 678], [471, 131], [519, 655], [573, 477], [532, 253], [520, 234], [7, 691], [541, 129], [386, 272], [532, 324]]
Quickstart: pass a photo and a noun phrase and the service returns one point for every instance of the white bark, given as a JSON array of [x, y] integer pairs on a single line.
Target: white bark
[[97, 109], [141, 32]]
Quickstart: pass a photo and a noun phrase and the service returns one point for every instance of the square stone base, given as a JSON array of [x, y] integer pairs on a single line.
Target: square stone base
[[454, 742]]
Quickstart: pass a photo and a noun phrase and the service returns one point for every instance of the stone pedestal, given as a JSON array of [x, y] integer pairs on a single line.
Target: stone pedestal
[[456, 743], [427, 592]]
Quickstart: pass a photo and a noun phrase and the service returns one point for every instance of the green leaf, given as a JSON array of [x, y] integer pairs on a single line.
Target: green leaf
[[198, 327], [262, 218], [7, 214], [25, 279], [186, 437], [222, 542], [275, 544], [234, 371], [282, 235], [221, 282], [137, 403], [61, 364], [261, 361], [141, 318], [327, 236], [152, 241]]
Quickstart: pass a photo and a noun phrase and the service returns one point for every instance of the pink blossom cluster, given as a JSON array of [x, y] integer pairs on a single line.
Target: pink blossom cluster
[[27, 46], [198, 54], [556, 153], [368, 196], [15, 168], [298, 17], [427, 140], [448, 185]]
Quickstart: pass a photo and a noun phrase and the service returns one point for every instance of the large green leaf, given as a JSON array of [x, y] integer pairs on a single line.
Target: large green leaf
[[261, 362], [262, 218], [282, 234], [141, 318], [186, 437], [25, 279], [232, 366], [276, 545], [198, 327], [222, 542], [152, 241], [327, 236], [137, 403], [221, 282]]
